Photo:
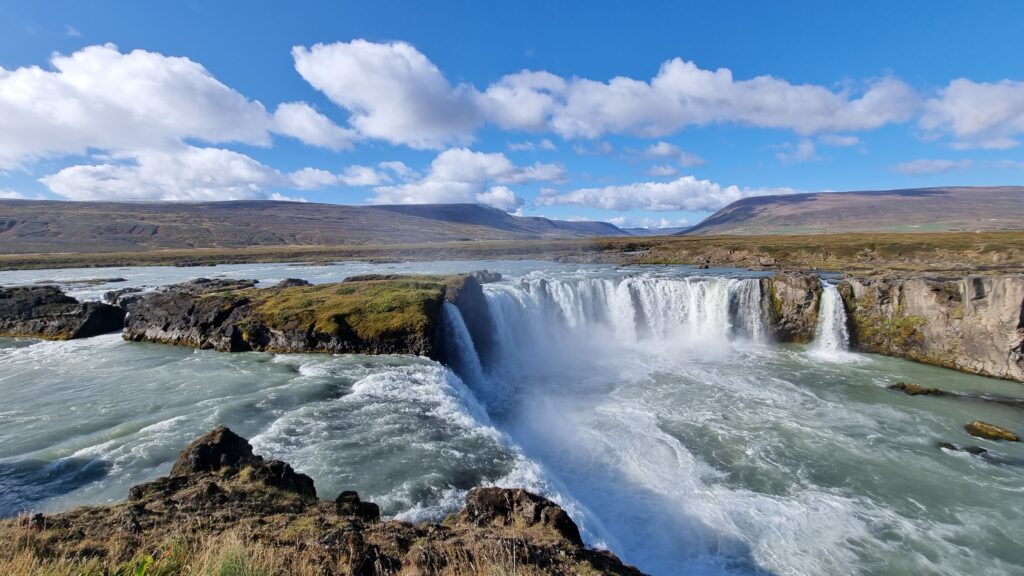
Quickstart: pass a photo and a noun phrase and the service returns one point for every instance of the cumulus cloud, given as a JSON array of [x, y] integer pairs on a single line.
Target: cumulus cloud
[[395, 93], [977, 114], [392, 92], [664, 150], [192, 173], [602, 148], [11, 195], [103, 99], [99, 98], [684, 193], [460, 175], [923, 166], [299, 120]]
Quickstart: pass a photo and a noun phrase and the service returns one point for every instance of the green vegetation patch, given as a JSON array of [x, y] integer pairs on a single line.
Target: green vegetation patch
[[371, 308]]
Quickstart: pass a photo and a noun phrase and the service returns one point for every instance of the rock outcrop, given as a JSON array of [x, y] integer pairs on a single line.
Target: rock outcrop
[[46, 312], [223, 506], [790, 300], [973, 324], [371, 314], [988, 431]]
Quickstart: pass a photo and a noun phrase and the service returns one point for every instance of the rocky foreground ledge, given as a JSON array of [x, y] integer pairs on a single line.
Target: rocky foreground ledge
[[224, 510], [46, 312]]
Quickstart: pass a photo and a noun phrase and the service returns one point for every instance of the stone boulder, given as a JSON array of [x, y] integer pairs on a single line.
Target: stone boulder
[[46, 312], [911, 389], [516, 507], [980, 429]]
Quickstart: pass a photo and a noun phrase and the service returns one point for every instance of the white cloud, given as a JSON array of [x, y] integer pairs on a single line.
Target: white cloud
[[72, 32], [1016, 164], [529, 146], [839, 140], [644, 222], [684, 193], [924, 166], [392, 92], [400, 169], [395, 93], [460, 175], [674, 153], [802, 151], [977, 114], [661, 170], [99, 98], [682, 94], [299, 120], [11, 195], [187, 173], [356, 175]]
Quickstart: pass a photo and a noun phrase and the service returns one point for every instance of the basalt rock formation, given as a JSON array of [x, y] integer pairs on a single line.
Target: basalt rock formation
[[46, 312], [224, 510], [791, 302], [973, 324], [371, 314]]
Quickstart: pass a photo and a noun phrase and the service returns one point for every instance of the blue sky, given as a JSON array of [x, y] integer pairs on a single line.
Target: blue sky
[[640, 114]]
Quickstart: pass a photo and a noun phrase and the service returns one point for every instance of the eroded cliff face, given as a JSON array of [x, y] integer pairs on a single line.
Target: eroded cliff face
[[973, 324], [373, 314], [791, 300]]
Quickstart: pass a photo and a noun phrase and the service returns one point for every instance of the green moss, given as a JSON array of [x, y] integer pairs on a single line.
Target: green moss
[[371, 308]]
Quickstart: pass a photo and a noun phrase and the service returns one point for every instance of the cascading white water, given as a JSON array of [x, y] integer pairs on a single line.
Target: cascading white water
[[831, 334]]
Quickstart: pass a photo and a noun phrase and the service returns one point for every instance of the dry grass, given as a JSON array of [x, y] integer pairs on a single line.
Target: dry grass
[[838, 252]]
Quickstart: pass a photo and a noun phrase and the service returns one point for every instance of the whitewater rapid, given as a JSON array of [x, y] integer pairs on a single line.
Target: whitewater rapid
[[650, 402]]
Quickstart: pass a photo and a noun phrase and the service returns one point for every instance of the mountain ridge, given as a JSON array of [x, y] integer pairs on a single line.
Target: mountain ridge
[[937, 209], [28, 226]]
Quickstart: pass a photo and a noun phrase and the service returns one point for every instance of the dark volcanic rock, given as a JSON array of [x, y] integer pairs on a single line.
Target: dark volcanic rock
[[291, 282], [370, 314], [486, 276], [791, 301], [46, 312], [349, 504], [217, 449], [219, 487], [915, 390], [505, 507]]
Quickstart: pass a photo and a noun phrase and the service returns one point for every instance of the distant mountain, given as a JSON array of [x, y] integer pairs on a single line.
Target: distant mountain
[[911, 210], [657, 231], [55, 226]]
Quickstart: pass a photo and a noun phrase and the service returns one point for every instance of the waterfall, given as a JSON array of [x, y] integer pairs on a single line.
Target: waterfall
[[461, 354], [831, 334]]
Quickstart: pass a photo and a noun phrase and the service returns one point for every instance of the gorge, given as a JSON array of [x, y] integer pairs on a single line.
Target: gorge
[[696, 421]]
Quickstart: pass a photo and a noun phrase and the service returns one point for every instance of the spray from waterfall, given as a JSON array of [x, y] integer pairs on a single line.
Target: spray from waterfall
[[831, 334]]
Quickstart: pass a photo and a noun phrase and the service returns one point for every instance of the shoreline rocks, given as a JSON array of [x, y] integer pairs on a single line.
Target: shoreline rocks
[[219, 489], [46, 312]]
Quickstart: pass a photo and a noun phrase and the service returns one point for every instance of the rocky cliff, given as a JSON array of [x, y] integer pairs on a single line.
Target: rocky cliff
[[224, 510], [790, 300], [46, 312], [974, 324], [373, 314]]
